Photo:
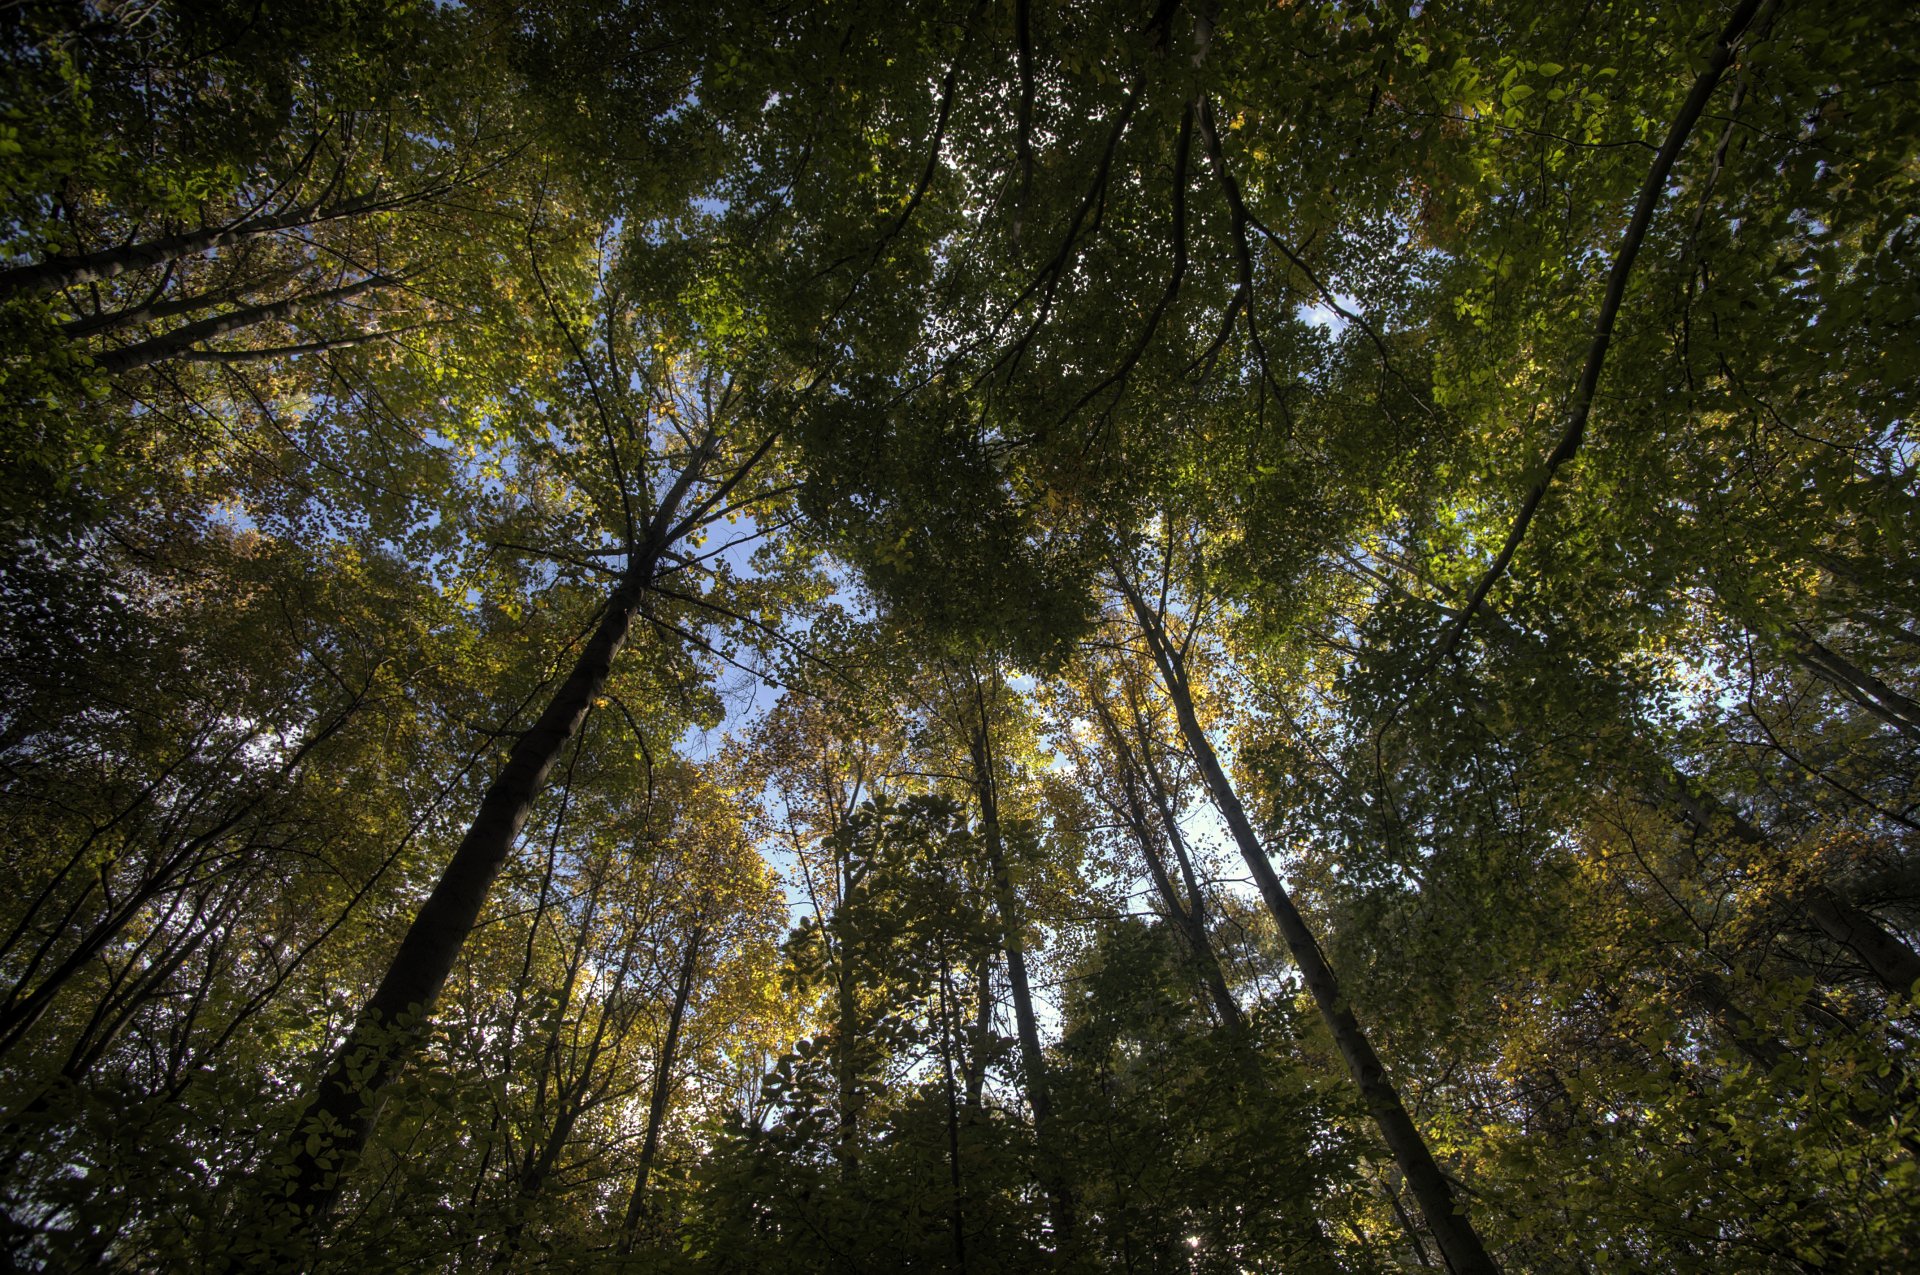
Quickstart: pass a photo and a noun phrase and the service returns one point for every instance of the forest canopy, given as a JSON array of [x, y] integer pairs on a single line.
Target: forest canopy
[[1249, 636]]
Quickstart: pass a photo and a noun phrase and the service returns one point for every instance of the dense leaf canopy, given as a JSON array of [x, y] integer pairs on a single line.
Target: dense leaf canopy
[[866, 637]]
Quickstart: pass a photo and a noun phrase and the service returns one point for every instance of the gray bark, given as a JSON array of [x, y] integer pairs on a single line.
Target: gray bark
[[1459, 1243]]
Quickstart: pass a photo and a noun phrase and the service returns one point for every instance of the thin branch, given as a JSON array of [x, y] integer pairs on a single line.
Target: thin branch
[[1650, 191], [265, 353]]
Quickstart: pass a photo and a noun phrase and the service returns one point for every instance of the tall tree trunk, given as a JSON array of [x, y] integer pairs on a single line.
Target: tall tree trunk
[[662, 1092], [1189, 916], [981, 1030], [1858, 685], [846, 1069], [1895, 964], [1033, 1062], [957, 1188], [340, 1112], [1459, 1243]]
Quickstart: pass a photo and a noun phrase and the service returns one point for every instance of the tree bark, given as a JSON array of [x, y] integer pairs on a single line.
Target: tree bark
[[1459, 1243], [60, 272], [846, 1071], [340, 1113], [1188, 916], [180, 341], [1860, 686], [955, 1184], [1895, 964], [1891, 961], [662, 1092], [1033, 1062], [981, 1030]]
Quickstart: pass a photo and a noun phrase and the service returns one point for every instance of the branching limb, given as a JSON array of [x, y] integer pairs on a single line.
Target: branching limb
[[1574, 433]]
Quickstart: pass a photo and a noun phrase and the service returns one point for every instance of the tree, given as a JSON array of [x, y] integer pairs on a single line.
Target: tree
[[688, 476], [1088, 521], [1456, 1237]]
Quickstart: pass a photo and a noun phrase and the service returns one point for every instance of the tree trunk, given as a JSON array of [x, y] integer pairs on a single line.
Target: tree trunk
[[339, 1115], [1459, 1243], [662, 1091], [981, 1030], [846, 1071], [1190, 916], [955, 1183], [1033, 1063], [1895, 964], [1890, 960], [1860, 686]]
